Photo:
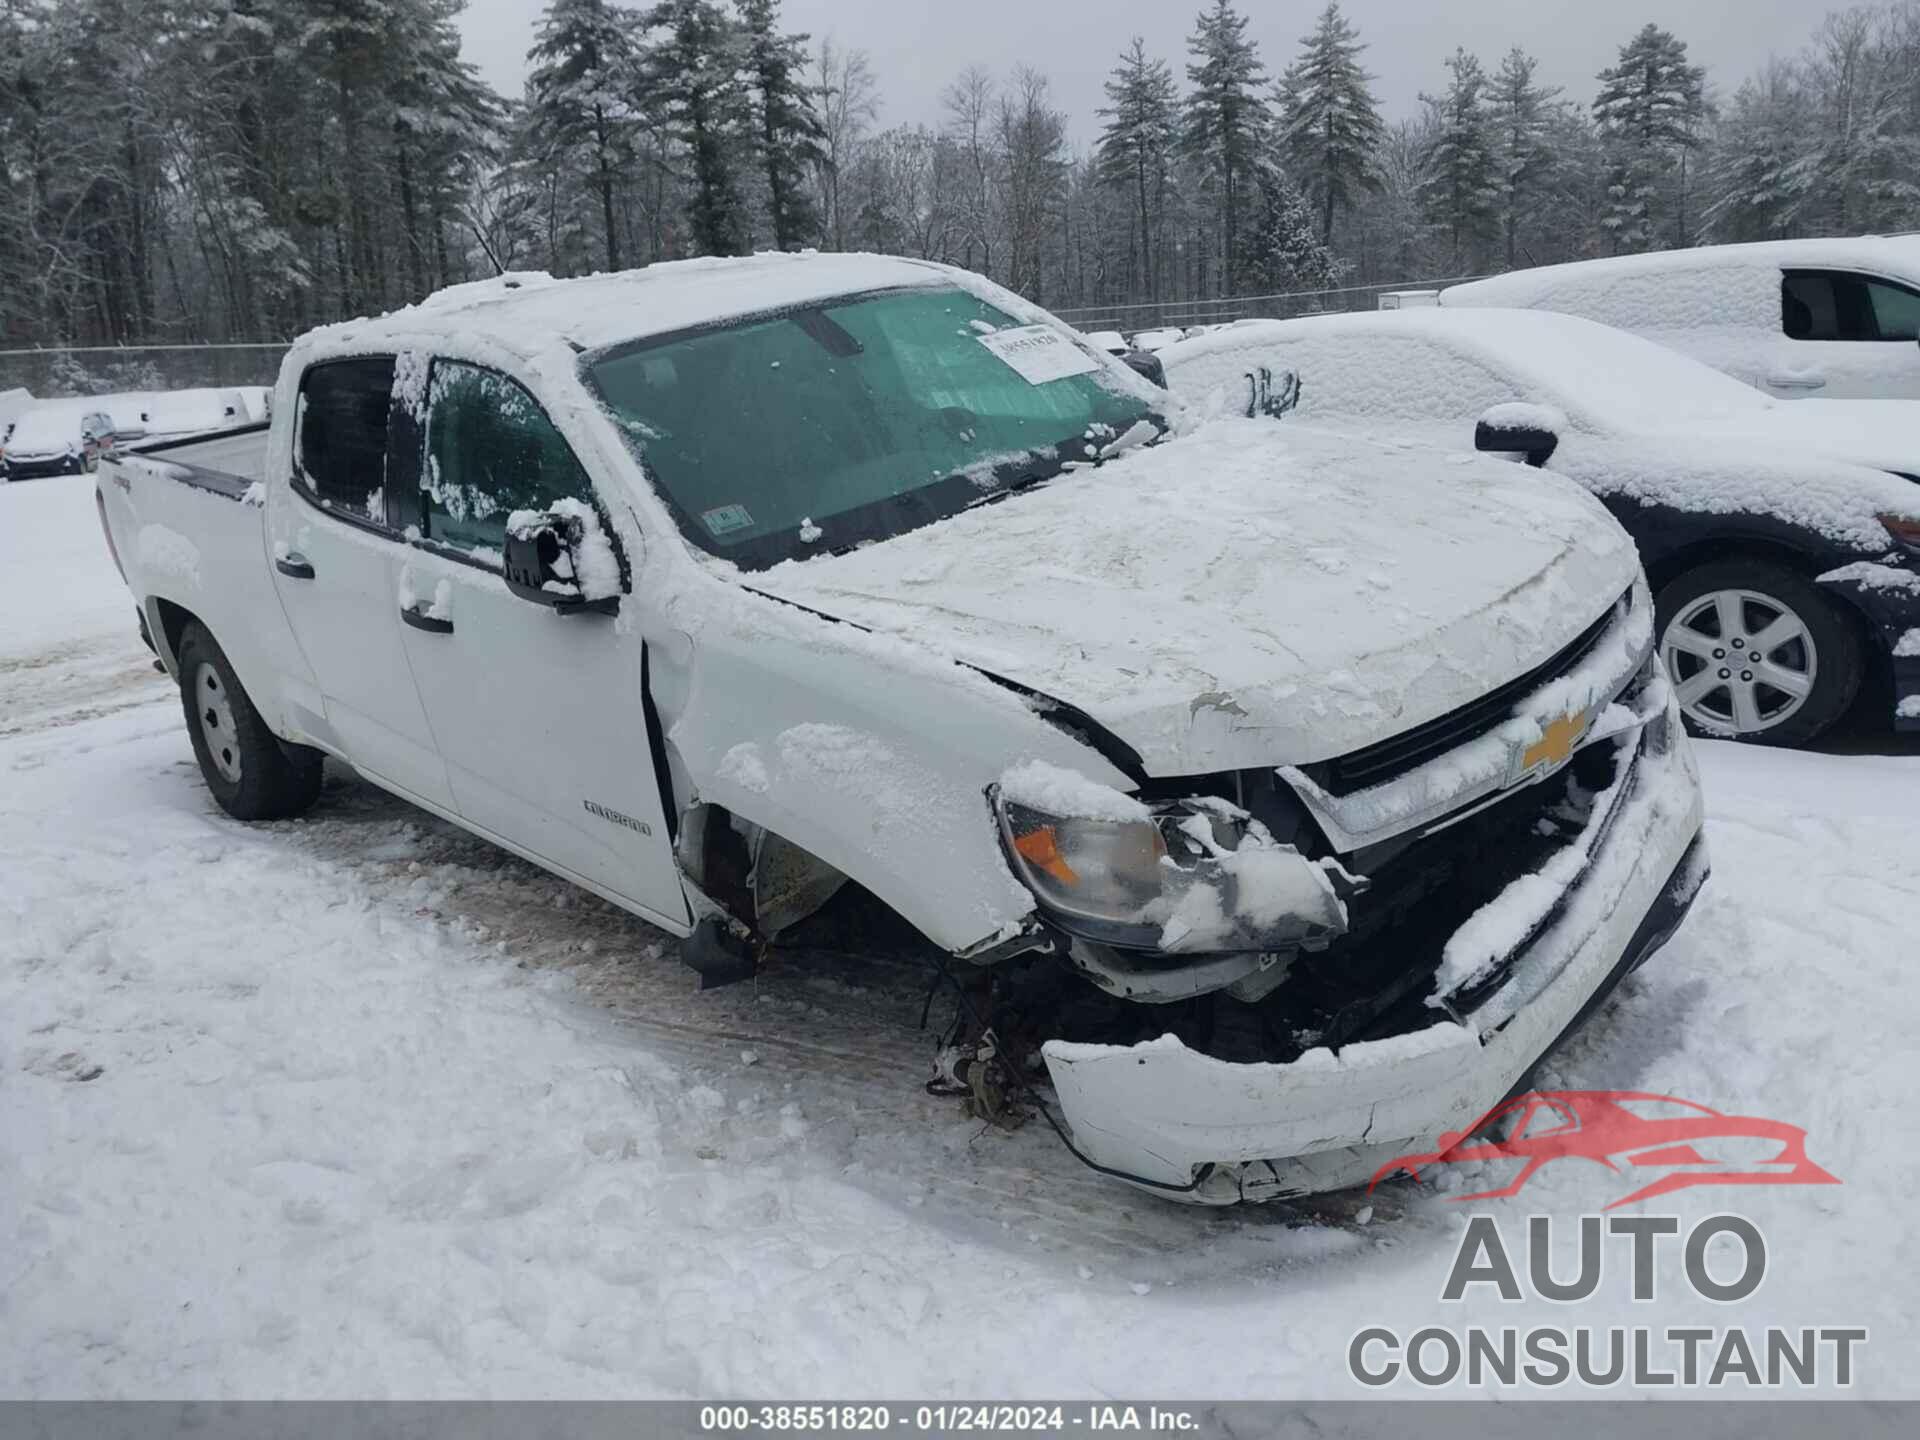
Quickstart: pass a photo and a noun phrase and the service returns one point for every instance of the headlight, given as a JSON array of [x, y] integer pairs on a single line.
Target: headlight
[[1191, 876], [1905, 532], [1099, 869]]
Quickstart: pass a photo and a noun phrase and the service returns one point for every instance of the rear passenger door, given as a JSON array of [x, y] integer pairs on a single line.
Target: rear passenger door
[[1846, 336], [336, 558], [541, 717]]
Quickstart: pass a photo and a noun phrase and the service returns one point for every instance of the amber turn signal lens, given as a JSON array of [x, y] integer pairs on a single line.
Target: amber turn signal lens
[[1904, 530], [1041, 849]]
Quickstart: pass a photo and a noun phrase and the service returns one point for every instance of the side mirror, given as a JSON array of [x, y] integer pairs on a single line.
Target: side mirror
[[1529, 431], [1145, 362], [563, 558]]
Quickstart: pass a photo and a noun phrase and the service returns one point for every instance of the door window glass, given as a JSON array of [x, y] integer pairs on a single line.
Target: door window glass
[[491, 450], [341, 436], [1836, 305], [1896, 311]]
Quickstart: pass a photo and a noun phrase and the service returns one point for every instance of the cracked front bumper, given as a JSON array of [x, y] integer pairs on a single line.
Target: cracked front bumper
[[1326, 1121]]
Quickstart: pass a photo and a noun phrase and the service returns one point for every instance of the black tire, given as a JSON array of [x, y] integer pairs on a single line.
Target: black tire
[[254, 775], [1826, 655]]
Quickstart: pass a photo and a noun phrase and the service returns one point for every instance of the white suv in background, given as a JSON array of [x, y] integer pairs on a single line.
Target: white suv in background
[[1838, 319]]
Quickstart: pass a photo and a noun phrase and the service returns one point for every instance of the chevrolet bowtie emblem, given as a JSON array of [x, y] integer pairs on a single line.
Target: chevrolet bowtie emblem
[[1553, 747]]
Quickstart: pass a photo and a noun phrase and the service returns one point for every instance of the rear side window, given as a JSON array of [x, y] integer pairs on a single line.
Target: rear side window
[[341, 440], [491, 450], [1839, 305]]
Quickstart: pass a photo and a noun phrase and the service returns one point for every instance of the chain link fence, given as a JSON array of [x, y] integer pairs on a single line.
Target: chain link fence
[[50, 372], [1132, 318]]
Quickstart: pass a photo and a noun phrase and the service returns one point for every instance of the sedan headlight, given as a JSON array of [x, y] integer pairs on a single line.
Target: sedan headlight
[[1905, 532], [1190, 876]]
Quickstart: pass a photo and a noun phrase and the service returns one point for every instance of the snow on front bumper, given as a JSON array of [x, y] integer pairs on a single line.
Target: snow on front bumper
[[1326, 1121]]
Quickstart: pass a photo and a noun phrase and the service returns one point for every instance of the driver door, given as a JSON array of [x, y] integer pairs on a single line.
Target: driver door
[[1846, 336], [540, 716]]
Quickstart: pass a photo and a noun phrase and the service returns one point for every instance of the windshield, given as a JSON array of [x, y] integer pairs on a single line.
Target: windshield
[[857, 419], [47, 429]]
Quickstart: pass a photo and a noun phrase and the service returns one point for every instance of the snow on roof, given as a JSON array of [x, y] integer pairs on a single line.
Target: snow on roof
[[51, 424], [1649, 423], [1612, 378], [1702, 287], [529, 310]]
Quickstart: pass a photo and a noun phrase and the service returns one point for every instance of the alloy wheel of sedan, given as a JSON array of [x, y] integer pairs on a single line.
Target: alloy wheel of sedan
[[1742, 662]]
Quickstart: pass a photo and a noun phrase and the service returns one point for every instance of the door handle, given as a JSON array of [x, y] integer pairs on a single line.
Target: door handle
[[420, 620], [293, 565], [1797, 382]]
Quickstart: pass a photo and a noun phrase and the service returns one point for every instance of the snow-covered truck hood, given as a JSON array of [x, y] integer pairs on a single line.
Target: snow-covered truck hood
[[1884, 434], [1251, 594]]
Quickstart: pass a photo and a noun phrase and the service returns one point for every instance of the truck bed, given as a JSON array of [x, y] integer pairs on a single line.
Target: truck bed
[[187, 523], [229, 463]]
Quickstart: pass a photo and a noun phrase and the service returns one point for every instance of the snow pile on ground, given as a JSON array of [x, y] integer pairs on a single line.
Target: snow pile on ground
[[360, 1105]]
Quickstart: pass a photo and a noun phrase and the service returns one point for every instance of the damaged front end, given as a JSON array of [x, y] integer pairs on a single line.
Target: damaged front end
[[1164, 902], [1307, 968]]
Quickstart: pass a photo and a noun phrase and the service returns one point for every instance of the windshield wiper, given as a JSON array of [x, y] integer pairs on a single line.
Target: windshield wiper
[[1011, 487]]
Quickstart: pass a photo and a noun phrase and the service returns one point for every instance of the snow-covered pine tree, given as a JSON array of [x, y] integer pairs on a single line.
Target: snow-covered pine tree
[[790, 134], [1759, 148], [1649, 109], [447, 125], [1226, 118], [694, 72], [1284, 249], [1329, 124], [1460, 191], [1137, 146], [579, 97], [1521, 114]]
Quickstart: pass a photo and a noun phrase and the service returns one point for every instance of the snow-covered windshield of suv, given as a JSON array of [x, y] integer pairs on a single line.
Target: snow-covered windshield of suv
[[816, 429]]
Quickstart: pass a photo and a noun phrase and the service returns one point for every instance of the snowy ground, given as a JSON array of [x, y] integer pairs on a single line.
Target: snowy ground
[[361, 1106]]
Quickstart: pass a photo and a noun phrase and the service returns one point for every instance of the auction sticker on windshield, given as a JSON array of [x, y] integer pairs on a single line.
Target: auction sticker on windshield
[[1039, 353]]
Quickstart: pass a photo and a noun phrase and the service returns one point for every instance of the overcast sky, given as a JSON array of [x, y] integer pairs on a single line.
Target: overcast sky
[[918, 47]]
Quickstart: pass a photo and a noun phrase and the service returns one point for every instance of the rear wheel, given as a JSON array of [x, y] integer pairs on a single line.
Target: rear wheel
[[250, 771], [1757, 653]]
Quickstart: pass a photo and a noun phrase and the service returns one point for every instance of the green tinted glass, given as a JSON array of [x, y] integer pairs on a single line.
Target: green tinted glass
[[755, 430], [490, 451]]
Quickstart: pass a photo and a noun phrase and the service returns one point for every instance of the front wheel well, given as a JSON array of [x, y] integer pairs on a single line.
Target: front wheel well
[[174, 620], [1671, 566], [777, 889]]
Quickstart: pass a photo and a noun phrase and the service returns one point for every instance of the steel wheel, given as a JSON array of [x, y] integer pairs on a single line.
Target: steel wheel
[[1741, 662], [216, 721]]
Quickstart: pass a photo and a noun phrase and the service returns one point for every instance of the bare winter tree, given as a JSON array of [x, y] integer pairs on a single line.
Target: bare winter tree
[[849, 102]]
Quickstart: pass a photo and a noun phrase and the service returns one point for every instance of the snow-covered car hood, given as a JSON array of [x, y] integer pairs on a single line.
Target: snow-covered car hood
[[1252, 594], [1882, 433]]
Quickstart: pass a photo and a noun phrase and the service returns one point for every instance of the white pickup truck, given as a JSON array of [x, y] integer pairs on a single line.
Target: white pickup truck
[[1290, 795]]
